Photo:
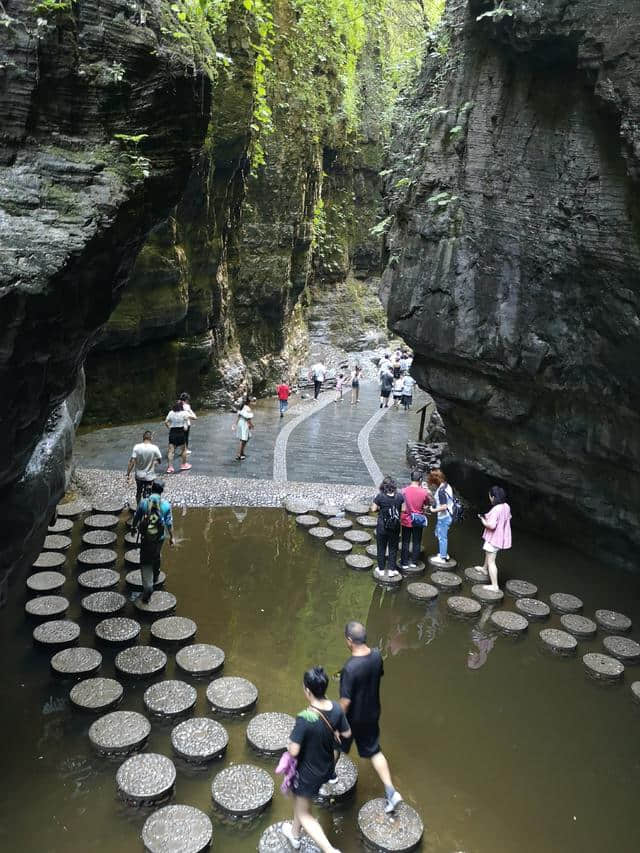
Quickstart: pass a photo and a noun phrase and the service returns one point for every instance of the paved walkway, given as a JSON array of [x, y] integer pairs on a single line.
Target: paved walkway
[[316, 442]]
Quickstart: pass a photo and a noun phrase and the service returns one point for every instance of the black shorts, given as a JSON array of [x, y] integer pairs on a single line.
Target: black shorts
[[307, 786], [367, 738], [177, 436], [384, 393]]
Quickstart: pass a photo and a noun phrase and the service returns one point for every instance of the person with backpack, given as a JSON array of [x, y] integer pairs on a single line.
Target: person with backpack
[[388, 503], [154, 521], [413, 520], [317, 735], [447, 508], [497, 532]]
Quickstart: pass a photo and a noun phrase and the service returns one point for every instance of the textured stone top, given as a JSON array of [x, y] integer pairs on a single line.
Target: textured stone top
[[242, 789], [148, 776], [61, 525], [119, 731], [49, 560], [170, 698], [76, 661], [99, 538], [56, 633], [200, 659], [173, 629], [177, 829], [232, 694], [96, 694], [118, 629], [45, 581], [270, 732], [403, 832], [103, 602], [98, 579], [141, 660], [56, 542], [612, 621], [199, 739]]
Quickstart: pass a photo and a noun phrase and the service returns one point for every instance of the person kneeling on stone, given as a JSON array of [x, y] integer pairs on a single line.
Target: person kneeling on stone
[[153, 520], [317, 732], [497, 532]]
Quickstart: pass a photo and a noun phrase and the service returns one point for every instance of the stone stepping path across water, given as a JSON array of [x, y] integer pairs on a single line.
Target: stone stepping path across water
[[242, 789], [329, 510], [99, 579], [446, 580], [134, 579], [520, 589], [563, 602], [160, 602], [119, 733], [273, 841], [72, 509], [533, 609], [509, 623], [131, 538], [307, 520], [44, 582], [559, 642], [104, 603], [96, 694], [635, 691], [367, 521], [321, 532], [487, 596], [476, 574], [358, 562], [299, 507], [199, 740], [177, 829], [339, 523], [108, 506], [372, 550], [99, 538], [61, 525], [49, 560], [603, 667], [609, 620], [578, 625], [400, 831], [347, 776], [117, 630], [140, 661], [200, 659], [47, 607], [443, 566], [76, 661], [357, 537], [101, 522], [146, 779], [56, 542], [269, 733], [94, 558], [422, 591], [387, 579], [409, 570], [460, 605], [232, 695], [57, 633], [132, 557], [173, 629], [170, 698], [622, 648], [356, 508], [338, 546]]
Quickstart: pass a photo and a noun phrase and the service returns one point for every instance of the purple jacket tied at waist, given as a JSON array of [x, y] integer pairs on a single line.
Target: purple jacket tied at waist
[[289, 766]]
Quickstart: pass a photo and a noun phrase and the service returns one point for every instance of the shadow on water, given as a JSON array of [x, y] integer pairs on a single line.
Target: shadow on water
[[499, 746]]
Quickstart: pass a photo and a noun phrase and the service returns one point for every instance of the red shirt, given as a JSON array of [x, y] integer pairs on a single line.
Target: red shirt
[[283, 392], [415, 497]]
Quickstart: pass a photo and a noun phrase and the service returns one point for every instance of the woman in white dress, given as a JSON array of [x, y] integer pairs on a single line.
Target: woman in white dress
[[243, 427]]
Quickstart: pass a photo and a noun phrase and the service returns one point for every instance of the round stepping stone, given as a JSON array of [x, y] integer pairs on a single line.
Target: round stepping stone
[[59, 632], [160, 602], [422, 591], [96, 694], [372, 550], [132, 557], [562, 602], [328, 510], [177, 829], [273, 841], [199, 739], [609, 620], [200, 659], [356, 508], [94, 558], [232, 695], [635, 690], [47, 607], [170, 698], [475, 574], [72, 509], [367, 521], [117, 629], [173, 629], [358, 562], [463, 606], [269, 733], [61, 525], [358, 537], [347, 775], [397, 832], [389, 580], [242, 789], [132, 538], [418, 569], [109, 506], [99, 538], [76, 661], [485, 595], [338, 546], [119, 733], [532, 608], [99, 579], [49, 560], [446, 580], [509, 623], [448, 564], [56, 542], [559, 642], [141, 661], [307, 520], [45, 582], [146, 778], [103, 603], [134, 579], [520, 589], [339, 523], [299, 507], [579, 626], [603, 667], [321, 532], [101, 522], [622, 648]]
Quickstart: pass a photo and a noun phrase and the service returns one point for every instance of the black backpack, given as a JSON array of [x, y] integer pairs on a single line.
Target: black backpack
[[391, 518], [457, 510], [152, 522]]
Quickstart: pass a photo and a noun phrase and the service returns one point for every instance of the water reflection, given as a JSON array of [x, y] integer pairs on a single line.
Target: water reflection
[[483, 639]]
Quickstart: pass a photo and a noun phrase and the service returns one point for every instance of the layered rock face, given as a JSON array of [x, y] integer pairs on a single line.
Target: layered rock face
[[101, 115], [514, 259]]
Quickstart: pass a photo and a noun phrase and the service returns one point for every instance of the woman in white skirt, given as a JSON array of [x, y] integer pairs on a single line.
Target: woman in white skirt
[[243, 427]]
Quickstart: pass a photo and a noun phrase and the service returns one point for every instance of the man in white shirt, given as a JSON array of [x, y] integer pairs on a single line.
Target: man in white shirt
[[144, 458], [383, 365], [318, 374]]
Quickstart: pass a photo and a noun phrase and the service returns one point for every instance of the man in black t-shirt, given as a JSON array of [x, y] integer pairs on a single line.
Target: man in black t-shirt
[[360, 700]]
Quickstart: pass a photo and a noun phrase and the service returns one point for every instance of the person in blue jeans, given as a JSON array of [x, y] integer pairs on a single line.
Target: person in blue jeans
[[443, 507]]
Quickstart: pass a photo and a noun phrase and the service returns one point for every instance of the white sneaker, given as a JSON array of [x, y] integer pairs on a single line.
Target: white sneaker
[[412, 566], [403, 566], [287, 830], [188, 453], [393, 802], [440, 561]]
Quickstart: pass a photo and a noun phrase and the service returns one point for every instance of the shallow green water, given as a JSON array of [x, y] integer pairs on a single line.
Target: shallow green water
[[523, 754]]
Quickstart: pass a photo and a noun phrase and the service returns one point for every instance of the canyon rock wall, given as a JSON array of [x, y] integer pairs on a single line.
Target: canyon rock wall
[[514, 259]]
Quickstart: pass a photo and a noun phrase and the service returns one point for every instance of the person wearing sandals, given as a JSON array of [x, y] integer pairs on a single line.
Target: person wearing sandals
[[176, 422], [316, 735], [243, 427], [413, 520], [497, 532]]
